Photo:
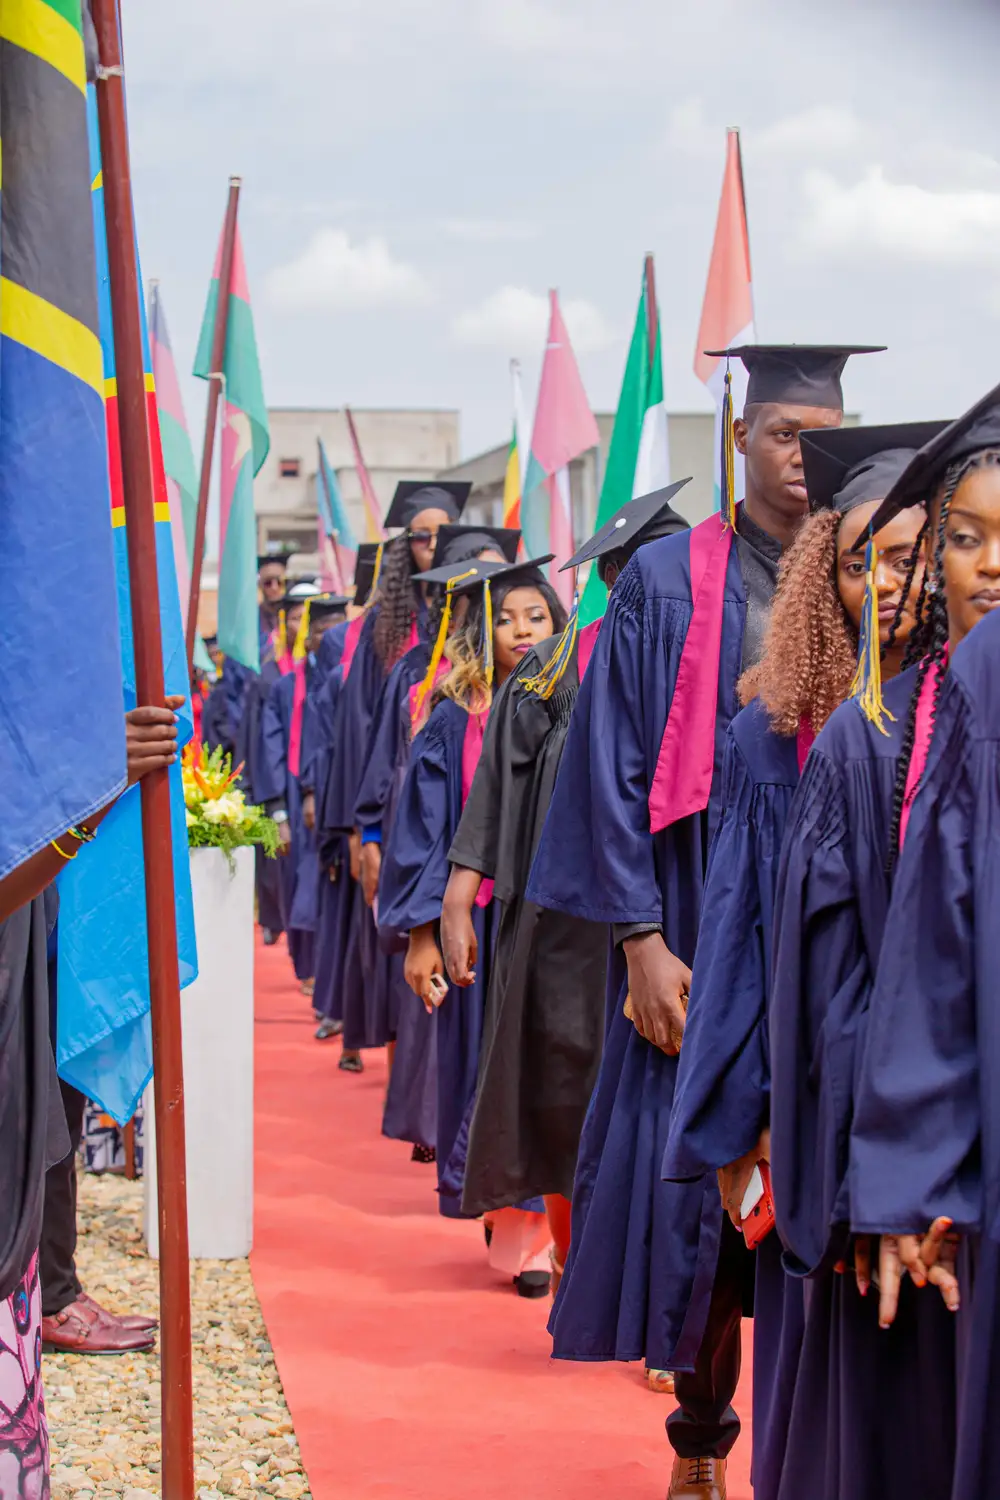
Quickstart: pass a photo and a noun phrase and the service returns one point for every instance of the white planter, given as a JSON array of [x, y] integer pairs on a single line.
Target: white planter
[[218, 1035]]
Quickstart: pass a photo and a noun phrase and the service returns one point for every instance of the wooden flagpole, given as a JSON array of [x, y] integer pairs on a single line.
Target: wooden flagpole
[[212, 412], [164, 981], [652, 311]]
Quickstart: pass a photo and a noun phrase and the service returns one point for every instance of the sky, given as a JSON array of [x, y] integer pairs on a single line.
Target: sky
[[417, 174]]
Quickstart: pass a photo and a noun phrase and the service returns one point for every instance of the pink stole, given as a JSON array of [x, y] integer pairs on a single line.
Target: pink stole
[[298, 709], [351, 637], [585, 643], [682, 782], [443, 668], [923, 734], [472, 748]]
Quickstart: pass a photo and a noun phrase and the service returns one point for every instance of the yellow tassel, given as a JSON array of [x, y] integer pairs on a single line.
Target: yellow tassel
[[442, 636], [728, 466], [376, 571], [866, 689], [488, 633], [281, 647], [300, 649], [545, 682]]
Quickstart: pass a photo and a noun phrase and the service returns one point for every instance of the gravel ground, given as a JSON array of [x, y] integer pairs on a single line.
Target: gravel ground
[[104, 1414]]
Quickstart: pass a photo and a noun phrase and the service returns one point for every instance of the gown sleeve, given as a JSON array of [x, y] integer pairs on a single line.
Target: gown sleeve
[[916, 1136], [271, 782], [722, 1097], [380, 752], [415, 857]]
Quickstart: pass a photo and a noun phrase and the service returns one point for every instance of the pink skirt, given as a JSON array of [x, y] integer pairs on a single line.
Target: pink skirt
[[24, 1435]]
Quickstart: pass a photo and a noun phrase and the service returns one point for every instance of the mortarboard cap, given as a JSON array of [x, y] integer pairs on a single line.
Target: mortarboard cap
[[364, 571], [298, 594], [414, 495], [976, 430], [639, 521], [479, 572], [281, 558], [455, 542], [798, 374], [321, 606], [850, 466]]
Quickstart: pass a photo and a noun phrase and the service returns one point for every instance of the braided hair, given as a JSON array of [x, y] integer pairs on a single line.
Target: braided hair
[[928, 644], [397, 600]]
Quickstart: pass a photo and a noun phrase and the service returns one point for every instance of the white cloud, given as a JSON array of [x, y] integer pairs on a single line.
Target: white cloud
[[825, 130], [900, 219], [335, 274], [515, 320]]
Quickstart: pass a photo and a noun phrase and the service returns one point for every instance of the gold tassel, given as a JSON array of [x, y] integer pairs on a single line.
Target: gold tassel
[[442, 636], [728, 466], [376, 571], [866, 689], [488, 633], [299, 650], [281, 647], [545, 682]]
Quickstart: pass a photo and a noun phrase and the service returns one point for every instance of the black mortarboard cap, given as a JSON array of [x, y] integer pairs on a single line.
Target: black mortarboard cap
[[478, 572], [850, 466], [364, 571], [298, 594], [466, 541], [281, 558], [414, 495], [321, 606], [977, 430], [639, 521], [797, 374]]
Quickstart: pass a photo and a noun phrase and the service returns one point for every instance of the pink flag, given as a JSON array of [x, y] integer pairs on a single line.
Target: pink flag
[[373, 510], [564, 429]]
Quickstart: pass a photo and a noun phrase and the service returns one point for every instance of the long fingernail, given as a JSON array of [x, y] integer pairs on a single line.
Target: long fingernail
[[882, 1323], [863, 1286]]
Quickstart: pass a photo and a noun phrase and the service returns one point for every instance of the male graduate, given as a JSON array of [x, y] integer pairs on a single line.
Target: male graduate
[[272, 582], [656, 1271]]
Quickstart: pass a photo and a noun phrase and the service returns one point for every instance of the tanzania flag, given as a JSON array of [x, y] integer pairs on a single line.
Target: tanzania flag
[[104, 1045], [62, 747], [245, 443], [638, 459]]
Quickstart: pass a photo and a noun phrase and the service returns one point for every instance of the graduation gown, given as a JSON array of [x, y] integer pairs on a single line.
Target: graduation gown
[[644, 1252], [247, 693], [926, 1132], [298, 868], [544, 1022], [851, 1431]]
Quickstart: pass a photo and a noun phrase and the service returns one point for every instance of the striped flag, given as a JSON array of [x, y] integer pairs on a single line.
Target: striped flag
[[104, 1045], [727, 313], [517, 458], [564, 429], [374, 530], [639, 457], [62, 746], [335, 525], [245, 443]]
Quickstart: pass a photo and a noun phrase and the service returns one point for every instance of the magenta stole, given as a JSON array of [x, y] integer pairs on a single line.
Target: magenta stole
[[923, 734]]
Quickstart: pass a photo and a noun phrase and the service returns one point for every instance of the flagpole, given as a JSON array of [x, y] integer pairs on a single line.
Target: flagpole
[[212, 412], [161, 926]]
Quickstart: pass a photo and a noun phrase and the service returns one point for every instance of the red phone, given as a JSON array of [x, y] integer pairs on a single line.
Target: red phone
[[757, 1210]]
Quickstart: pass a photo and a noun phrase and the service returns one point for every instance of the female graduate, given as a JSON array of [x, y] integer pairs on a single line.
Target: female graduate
[[720, 1117], [411, 1100], [515, 609], [545, 1010], [924, 1148]]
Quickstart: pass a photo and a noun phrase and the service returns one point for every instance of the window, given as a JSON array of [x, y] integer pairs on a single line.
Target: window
[[290, 468]]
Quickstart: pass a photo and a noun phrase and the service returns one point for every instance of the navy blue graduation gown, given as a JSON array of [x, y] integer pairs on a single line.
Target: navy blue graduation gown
[[644, 1252], [851, 1433], [247, 692], [276, 783]]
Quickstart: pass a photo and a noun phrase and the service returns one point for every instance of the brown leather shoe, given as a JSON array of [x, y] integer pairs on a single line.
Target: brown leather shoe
[[698, 1479], [79, 1330], [135, 1321]]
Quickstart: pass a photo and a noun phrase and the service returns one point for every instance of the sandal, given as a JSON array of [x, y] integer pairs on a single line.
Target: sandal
[[351, 1063]]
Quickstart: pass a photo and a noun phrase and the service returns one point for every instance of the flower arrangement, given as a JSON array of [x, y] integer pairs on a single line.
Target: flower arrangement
[[217, 813]]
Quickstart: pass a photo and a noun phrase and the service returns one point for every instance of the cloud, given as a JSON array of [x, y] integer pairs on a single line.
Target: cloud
[[900, 220], [825, 129], [515, 320], [335, 274], [488, 231]]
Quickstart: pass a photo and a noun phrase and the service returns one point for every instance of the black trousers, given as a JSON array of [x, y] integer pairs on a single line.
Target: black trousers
[[57, 1250], [705, 1424]]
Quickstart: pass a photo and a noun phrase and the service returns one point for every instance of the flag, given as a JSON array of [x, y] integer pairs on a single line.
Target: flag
[[245, 443], [564, 428], [62, 747], [727, 312], [104, 1045], [178, 457], [335, 524], [638, 458], [374, 531], [518, 456]]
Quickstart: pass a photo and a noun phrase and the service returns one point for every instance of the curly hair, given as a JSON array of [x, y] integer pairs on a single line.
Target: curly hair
[[397, 599], [810, 650], [466, 683]]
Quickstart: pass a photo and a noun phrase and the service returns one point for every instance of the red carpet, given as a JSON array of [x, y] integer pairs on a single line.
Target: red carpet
[[411, 1370]]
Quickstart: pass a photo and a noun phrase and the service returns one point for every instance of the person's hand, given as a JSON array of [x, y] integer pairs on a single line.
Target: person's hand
[[309, 810], [284, 837], [929, 1258], [371, 865], [458, 935], [354, 852], [423, 959], [735, 1179], [658, 986], [151, 738]]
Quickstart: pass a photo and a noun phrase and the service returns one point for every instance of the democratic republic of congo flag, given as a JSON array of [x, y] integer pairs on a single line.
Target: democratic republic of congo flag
[[62, 746], [104, 1044], [245, 443]]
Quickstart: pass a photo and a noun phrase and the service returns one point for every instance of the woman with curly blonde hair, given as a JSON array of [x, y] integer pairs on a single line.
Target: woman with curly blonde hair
[[822, 612]]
